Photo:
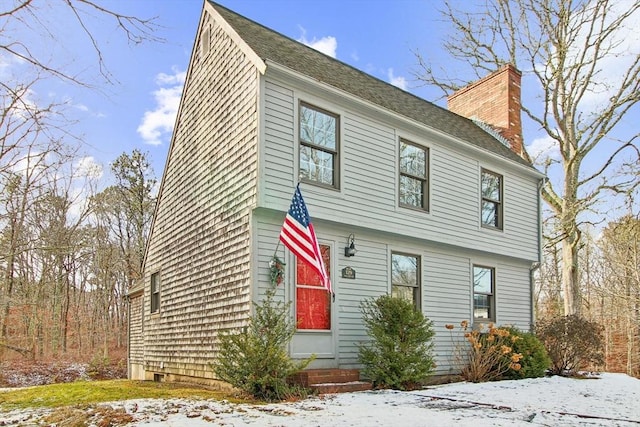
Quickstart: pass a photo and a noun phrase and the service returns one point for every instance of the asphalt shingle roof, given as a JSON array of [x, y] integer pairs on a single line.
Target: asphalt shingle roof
[[273, 46]]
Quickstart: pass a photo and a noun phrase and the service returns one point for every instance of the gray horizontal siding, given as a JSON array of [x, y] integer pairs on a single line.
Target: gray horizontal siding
[[513, 296], [278, 126], [369, 180], [446, 283]]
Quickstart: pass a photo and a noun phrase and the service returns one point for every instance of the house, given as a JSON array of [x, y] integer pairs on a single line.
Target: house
[[436, 207]]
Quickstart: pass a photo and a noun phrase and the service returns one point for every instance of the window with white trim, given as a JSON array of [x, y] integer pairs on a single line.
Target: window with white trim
[[413, 185], [319, 146], [484, 282], [491, 206], [405, 277], [155, 292]]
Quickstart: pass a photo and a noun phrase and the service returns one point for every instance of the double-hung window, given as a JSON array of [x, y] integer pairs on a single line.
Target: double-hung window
[[155, 292], [414, 186], [405, 277], [491, 200], [319, 144], [484, 283]]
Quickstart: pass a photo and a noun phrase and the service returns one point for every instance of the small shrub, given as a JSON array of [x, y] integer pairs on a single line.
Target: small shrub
[[488, 353], [535, 360], [256, 360], [572, 343], [399, 354]]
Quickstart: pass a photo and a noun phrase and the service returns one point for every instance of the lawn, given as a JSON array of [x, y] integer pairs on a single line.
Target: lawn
[[93, 392]]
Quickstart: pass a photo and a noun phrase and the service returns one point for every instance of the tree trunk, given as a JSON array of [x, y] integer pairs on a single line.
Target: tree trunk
[[570, 278]]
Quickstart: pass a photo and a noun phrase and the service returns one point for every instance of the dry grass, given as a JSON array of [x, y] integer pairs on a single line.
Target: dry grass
[[101, 416]]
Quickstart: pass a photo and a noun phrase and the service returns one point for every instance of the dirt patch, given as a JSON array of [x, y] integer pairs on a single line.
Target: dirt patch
[[101, 416]]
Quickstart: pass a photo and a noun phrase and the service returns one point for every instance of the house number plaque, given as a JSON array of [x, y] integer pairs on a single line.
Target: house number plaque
[[348, 273]]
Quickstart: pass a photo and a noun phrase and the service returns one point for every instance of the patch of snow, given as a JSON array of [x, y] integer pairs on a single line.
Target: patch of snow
[[605, 400]]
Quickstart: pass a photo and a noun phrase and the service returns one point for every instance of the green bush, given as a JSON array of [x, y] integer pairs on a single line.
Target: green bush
[[572, 343], [399, 353], [256, 360], [534, 362]]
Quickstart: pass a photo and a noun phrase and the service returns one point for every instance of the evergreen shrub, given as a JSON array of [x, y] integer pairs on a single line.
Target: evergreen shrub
[[534, 362], [399, 354], [256, 360]]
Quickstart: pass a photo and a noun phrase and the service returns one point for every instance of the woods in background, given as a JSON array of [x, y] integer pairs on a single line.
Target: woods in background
[[69, 256], [69, 251]]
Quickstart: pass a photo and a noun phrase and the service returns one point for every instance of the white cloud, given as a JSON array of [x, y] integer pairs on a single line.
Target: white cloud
[[370, 68], [397, 81], [542, 149], [327, 45], [4, 64], [27, 106], [177, 78], [88, 167], [158, 123], [9, 65]]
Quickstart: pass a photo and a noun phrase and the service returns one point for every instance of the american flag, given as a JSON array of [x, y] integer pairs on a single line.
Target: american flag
[[299, 236]]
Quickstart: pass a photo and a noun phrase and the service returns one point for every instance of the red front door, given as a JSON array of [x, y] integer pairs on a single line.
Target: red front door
[[313, 302]]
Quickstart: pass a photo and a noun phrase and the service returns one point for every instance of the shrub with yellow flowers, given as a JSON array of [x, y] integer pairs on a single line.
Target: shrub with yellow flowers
[[486, 353]]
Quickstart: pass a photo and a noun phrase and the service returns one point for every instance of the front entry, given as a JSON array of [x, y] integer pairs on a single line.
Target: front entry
[[314, 314]]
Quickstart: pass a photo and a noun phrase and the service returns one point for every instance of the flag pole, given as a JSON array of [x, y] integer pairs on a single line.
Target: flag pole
[[275, 252]]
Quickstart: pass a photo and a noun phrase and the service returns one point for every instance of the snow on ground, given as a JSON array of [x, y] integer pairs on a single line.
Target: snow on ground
[[605, 400]]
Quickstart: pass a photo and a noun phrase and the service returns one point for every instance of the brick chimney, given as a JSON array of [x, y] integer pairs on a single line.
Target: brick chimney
[[494, 100]]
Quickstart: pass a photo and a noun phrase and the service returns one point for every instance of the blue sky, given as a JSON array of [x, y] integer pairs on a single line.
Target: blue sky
[[376, 36]]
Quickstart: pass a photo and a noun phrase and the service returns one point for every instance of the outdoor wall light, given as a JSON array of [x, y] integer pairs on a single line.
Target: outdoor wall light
[[350, 249]]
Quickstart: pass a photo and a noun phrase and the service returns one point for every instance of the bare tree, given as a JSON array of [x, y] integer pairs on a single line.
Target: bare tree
[[44, 264], [21, 184], [45, 20], [568, 50], [620, 291], [123, 214]]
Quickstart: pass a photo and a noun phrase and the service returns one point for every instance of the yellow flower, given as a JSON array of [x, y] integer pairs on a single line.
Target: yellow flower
[[505, 349], [464, 324], [448, 326]]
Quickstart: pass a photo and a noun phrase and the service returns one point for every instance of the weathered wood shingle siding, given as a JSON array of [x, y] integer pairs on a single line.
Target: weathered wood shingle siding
[[136, 341], [200, 242], [369, 178]]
